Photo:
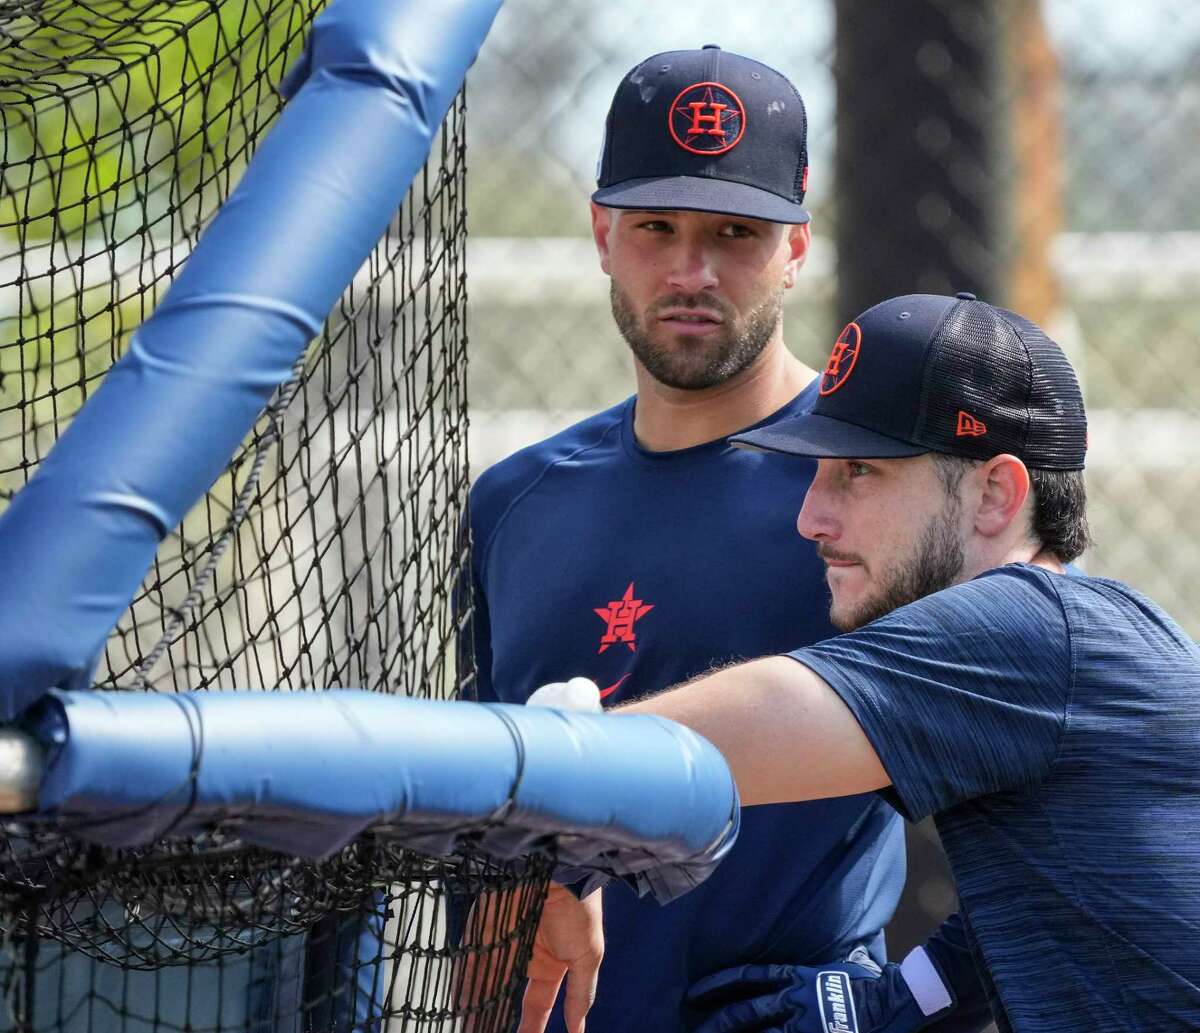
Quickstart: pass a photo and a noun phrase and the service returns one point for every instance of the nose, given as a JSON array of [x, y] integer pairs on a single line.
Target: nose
[[815, 519], [693, 266]]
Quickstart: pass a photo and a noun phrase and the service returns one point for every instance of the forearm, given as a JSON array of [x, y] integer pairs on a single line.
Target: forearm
[[784, 732]]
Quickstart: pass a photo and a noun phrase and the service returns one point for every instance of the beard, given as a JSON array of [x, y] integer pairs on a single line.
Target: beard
[[936, 563], [692, 365]]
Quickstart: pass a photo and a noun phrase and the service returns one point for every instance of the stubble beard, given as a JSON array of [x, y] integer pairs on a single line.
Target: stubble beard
[[937, 562], [691, 365]]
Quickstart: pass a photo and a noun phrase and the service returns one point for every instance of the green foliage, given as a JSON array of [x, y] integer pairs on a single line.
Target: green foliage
[[123, 122], [125, 127]]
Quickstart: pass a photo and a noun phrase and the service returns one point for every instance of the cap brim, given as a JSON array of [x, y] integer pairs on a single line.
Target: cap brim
[[822, 437], [700, 194]]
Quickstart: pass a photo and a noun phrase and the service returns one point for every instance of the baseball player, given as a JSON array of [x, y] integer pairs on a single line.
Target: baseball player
[[1050, 724], [639, 549]]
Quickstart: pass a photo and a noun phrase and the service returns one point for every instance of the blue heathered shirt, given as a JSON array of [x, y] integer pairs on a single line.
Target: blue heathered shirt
[[639, 570], [1052, 726]]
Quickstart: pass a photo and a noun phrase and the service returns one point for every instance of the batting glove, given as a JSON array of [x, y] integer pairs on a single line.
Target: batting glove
[[855, 996], [576, 694]]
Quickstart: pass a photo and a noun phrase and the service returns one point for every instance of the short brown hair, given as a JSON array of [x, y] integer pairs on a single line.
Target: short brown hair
[[1059, 520]]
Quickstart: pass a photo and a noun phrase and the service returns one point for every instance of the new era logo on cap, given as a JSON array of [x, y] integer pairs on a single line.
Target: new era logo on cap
[[706, 130], [969, 427], [925, 373]]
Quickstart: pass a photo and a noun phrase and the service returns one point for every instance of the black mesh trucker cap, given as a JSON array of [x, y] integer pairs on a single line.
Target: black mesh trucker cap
[[706, 130], [925, 373]]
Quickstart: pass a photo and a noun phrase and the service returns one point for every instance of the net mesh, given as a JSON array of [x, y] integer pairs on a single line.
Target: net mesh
[[324, 556]]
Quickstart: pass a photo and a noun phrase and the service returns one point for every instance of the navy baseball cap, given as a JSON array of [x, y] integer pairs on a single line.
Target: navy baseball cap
[[926, 373], [706, 130]]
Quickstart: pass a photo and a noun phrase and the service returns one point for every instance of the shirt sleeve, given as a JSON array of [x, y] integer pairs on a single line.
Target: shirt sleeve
[[963, 693]]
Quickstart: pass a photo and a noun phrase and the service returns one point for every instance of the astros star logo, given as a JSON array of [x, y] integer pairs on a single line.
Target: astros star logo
[[619, 616], [841, 359], [707, 118]]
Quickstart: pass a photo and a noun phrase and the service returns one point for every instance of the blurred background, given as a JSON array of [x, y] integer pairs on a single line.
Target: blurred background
[[1041, 153]]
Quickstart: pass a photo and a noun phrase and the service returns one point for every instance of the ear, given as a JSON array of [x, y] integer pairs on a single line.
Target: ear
[[798, 241], [602, 222], [1003, 484]]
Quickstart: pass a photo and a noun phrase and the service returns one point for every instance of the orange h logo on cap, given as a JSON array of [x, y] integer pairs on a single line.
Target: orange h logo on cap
[[699, 118], [841, 359], [704, 116]]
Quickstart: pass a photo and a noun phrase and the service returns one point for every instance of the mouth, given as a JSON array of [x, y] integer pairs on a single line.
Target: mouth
[[834, 561], [690, 320]]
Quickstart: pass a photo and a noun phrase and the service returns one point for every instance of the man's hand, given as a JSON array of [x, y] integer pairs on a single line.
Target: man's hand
[[855, 996], [570, 937], [576, 694], [569, 942]]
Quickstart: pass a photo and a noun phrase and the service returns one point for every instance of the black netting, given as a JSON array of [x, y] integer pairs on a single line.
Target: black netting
[[216, 937], [323, 557]]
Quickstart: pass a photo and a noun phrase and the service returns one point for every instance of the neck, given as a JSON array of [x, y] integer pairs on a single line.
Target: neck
[[1016, 552], [669, 418], [1047, 560]]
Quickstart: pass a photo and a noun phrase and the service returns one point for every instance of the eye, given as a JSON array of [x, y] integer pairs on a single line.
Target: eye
[[857, 469], [737, 230], [655, 225]]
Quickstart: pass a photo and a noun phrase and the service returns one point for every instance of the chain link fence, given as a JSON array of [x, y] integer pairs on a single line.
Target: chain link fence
[[1052, 165], [1095, 114]]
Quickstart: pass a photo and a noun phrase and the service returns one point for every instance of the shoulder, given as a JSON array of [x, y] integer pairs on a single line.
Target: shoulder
[[1109, 616], [1010, 618], [1012, 614], [1074, 604], [516, 472], [1025, 590], [502, 484], [1016, 599], [964, 692]]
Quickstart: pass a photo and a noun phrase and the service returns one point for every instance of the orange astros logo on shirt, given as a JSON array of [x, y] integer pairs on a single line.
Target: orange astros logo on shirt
[[619, 616]]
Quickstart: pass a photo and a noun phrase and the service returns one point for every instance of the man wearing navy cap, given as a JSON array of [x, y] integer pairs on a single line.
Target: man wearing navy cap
[[638, 549], [1050, 724]]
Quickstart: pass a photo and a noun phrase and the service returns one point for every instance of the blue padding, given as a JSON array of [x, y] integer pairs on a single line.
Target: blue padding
[[631, 796], [366, 100]]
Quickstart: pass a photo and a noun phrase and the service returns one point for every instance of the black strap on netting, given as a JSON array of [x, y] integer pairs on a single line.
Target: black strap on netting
[[262, 448]]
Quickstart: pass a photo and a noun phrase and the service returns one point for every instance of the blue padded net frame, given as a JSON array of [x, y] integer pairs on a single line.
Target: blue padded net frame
[[127, 127], [323, 555]]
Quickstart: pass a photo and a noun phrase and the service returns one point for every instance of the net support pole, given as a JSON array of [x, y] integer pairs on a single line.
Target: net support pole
[[22, 764], [365, 101]]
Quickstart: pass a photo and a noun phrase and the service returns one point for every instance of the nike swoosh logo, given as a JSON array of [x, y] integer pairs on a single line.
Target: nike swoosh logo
[[605, 693]]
